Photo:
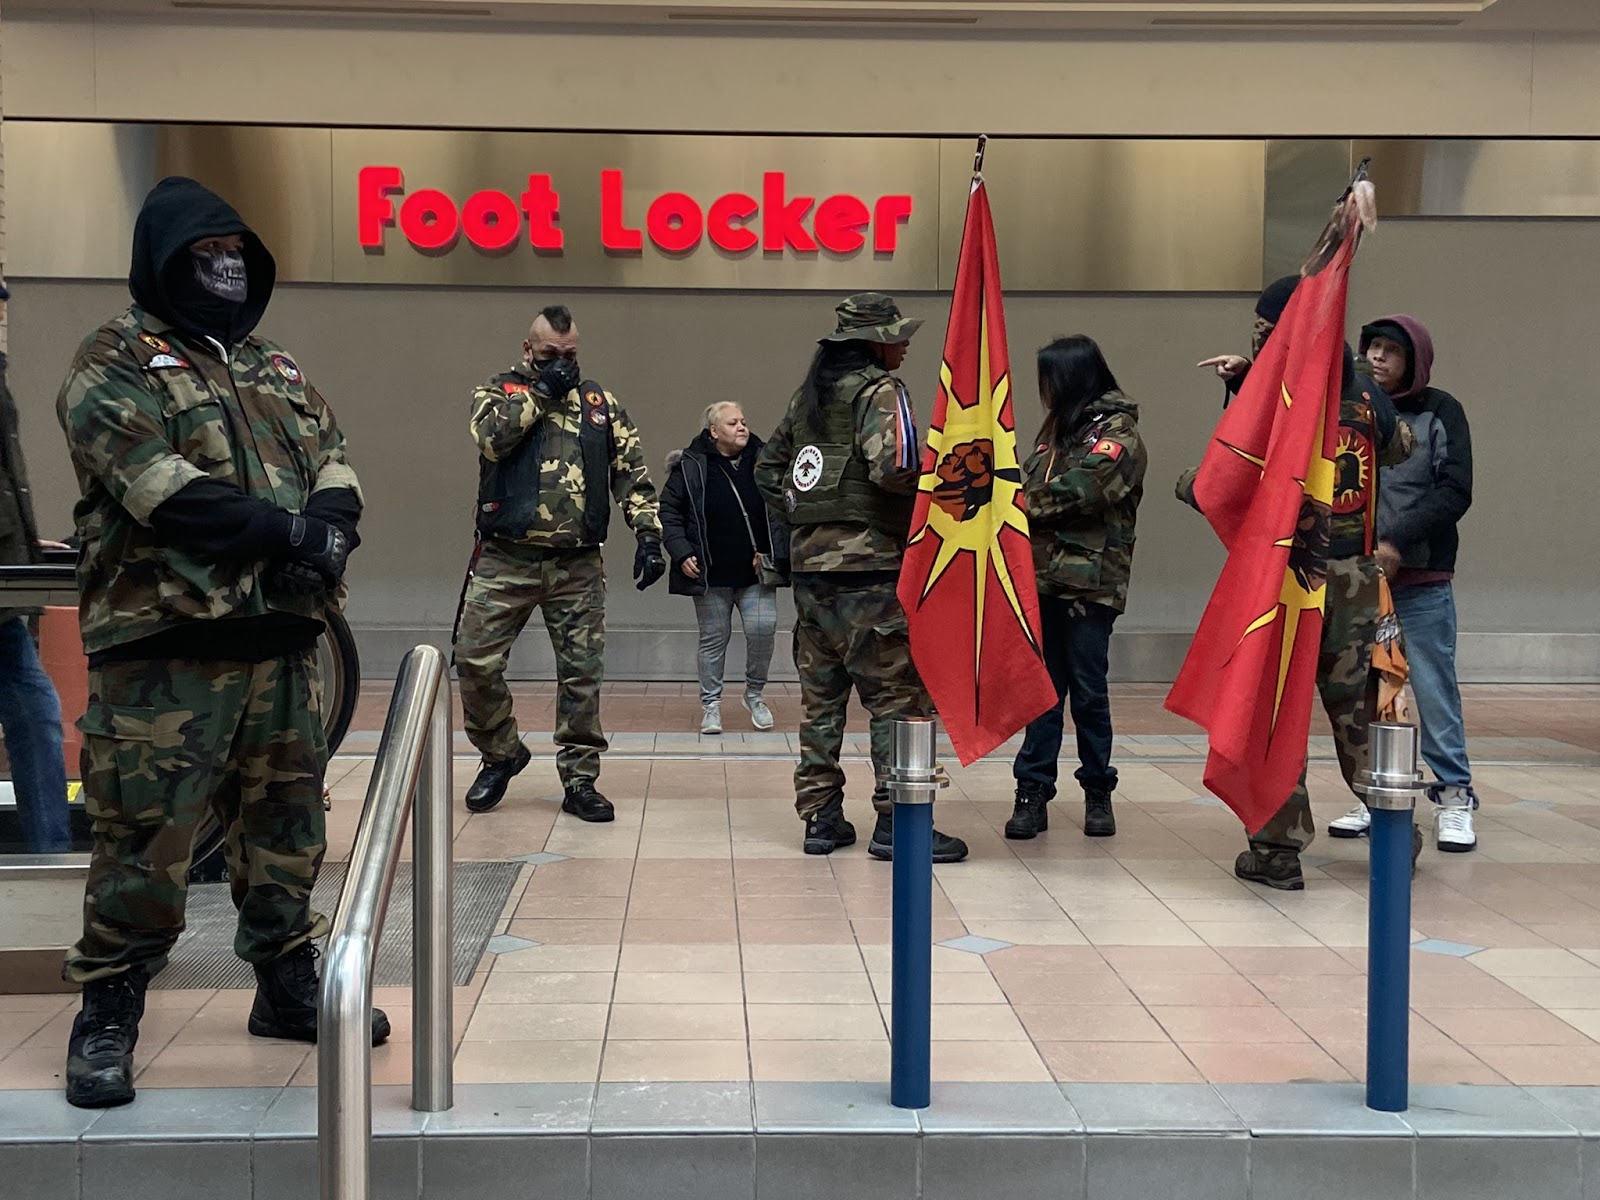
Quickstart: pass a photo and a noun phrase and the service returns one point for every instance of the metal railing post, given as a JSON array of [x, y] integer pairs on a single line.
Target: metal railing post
[[414, 726], [1391, 788], [913, 778], [432, 922]]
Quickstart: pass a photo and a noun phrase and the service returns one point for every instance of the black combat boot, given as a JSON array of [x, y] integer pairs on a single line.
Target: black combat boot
[[100, 1052], [1276, 868], [946, 849], [287, 995], [1097, 818], [828, 830], [585, 803], [489, 788], [1030, 817]]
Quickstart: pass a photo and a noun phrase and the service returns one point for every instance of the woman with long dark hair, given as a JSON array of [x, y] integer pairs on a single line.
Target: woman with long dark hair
[[1082, 486]]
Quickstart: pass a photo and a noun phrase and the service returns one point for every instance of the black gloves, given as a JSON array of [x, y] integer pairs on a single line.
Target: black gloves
[[648, 564], [311, 543], [297, 579], [558, 377]]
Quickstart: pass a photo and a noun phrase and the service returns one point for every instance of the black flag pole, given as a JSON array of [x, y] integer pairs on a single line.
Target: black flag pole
[[977, 157]]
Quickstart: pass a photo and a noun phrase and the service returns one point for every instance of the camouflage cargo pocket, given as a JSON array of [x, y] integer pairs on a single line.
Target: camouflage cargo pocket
[[122, 763], [1071, 562]]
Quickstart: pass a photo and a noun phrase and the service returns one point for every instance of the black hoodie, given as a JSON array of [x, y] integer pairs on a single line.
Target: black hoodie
[[177, 213]]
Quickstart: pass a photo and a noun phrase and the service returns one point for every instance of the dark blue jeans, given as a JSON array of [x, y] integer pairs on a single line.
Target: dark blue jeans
[[30, 715], [1075, 651]]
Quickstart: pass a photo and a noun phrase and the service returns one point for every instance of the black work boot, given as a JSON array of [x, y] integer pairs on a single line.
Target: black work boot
[[946, 849], [1097, 818], [585, 803], [1030, 817], [828, 830], [489, 788], [287, 994], [1276, 868], [100, 1052]]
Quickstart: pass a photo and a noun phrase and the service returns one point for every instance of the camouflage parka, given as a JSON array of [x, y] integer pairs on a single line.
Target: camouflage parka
[[506, 410], [1083, 502], [148, 410]]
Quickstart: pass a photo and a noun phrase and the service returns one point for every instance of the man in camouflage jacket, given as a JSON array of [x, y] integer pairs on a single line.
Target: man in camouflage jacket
[[555, 450], [843, 467], [217, 512]]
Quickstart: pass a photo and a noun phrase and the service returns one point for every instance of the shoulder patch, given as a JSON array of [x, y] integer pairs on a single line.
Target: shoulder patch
[[1109, 448], [512, 388], [286, 367], [165, 360], [597, 417], [159, 345]]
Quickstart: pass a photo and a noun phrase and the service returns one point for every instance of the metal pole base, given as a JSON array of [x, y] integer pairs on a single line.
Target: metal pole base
[[1389, 961], [910, 1012]]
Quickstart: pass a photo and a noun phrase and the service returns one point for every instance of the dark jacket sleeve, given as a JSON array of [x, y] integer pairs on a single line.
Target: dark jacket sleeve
[[214, 519], [339, 507], [677, 537], [1451, 495]]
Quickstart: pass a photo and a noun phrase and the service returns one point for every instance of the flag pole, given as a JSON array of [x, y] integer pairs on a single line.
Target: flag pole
[[977, 157]]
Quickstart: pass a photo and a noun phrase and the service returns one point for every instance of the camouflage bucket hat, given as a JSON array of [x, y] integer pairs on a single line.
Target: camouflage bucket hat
[[872, 317]]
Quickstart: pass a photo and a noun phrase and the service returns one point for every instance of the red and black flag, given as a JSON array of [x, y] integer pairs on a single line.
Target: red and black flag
[[967, 581], [1266, 484]]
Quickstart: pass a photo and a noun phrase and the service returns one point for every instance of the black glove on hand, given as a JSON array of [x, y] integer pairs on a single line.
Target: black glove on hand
[[558, 377], [648, 564], [297, 579], [319, 545]]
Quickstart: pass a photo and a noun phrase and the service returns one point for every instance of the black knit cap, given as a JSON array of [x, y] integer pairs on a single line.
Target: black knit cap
[[1275, 298]]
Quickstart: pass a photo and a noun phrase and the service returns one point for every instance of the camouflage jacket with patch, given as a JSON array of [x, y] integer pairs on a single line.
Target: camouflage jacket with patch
[[506, 410], [148, 411], [888, 442], [1083, 503]]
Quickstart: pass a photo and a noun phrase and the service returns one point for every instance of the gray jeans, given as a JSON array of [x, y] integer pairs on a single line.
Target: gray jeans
[[758, 613]]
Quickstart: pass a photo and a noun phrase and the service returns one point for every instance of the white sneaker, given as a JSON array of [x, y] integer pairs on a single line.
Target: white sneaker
[[1452, 818], [760, 714], [711, 718], [1355, 823]]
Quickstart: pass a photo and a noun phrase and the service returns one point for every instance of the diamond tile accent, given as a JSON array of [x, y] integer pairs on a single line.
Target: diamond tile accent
[[1440, 946], [505, 943], [538, 860], [973, 944]]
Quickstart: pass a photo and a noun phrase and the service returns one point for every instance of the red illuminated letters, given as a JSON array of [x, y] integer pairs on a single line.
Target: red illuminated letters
[[674, 222]]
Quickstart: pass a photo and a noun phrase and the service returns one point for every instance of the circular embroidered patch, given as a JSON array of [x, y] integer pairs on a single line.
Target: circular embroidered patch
[[597, 416], [807, 471], [286, 367], [155, 343]]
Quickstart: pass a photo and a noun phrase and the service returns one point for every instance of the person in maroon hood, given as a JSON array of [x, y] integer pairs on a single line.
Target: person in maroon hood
[[1419, 505]]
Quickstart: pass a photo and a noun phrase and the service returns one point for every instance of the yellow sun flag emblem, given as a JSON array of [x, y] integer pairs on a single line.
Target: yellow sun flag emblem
[[1305, 587], [974, 488]]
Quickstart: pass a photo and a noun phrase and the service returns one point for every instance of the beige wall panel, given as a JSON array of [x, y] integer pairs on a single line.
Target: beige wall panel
[[1566, 85], [341, 72], [51, 62]]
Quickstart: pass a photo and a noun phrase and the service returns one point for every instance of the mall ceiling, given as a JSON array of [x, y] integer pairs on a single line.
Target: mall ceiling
[[1299, 17]]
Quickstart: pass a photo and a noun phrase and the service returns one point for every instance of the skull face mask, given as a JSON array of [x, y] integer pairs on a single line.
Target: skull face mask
[[222, 273]]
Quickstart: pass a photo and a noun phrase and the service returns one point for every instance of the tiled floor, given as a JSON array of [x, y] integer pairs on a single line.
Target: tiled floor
[[691, 940]]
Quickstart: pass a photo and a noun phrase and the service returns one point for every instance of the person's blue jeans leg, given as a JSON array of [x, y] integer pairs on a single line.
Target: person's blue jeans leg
[[1088, 664], [30, 715], [1427, 615], [713, 611], [1076, 654]]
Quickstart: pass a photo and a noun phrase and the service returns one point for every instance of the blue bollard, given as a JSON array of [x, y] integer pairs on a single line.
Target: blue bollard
[[911, 1008], [913, 778], [1391, 788]]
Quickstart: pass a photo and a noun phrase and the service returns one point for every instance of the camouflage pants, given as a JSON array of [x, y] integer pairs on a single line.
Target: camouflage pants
[[569, 588], [1349, 692], [846, 636], [164, 741]]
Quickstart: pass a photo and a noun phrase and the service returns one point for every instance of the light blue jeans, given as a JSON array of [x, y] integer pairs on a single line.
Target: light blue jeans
[[1427, 614], [30, 714], [758, 613]]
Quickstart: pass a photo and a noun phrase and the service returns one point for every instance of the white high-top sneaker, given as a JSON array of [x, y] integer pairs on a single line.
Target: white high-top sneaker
[[1355, 823], [1452, 818]]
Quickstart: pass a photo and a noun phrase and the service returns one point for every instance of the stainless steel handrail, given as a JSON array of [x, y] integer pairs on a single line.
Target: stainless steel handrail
[[413, 758]]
